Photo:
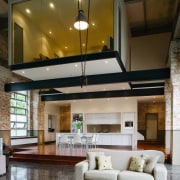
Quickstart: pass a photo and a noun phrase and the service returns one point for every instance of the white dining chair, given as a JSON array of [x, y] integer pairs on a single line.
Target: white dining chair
[[77, 141], [64, 141]]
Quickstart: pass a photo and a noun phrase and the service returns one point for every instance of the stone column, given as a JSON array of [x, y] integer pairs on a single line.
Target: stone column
[[5, 76], [168, 109], [37, 116], [175, 78]]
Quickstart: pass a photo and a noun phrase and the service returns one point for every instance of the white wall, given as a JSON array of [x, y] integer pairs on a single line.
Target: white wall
[[149, 52], [34, 40], [52, 110], [106, 106]]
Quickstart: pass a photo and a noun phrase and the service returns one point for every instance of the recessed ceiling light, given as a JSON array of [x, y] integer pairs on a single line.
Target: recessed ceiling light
[[51, 5], [106, 61], [23, 72], [66, 47], [103, 42], [47, 69], [104, 89], [28, 11], [76, 65], [93, 24], [50, 32], [70, 28], [83, 44]]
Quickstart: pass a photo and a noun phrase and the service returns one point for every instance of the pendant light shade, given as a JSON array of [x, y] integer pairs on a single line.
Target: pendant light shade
[[81, 21]]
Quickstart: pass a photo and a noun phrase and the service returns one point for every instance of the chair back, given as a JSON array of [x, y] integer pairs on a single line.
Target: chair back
[[64, 139], [77, 138]]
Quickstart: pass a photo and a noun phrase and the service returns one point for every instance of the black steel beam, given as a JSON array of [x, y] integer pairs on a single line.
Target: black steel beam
[[143, 75], [132, 1], [51, 91], [158, 84], [104, 94]]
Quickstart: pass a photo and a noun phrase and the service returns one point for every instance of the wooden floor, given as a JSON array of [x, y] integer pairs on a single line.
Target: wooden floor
[[52, 153]]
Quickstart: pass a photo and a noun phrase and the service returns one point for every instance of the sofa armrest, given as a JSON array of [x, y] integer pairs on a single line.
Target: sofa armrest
[[80, 169], [160, 172]]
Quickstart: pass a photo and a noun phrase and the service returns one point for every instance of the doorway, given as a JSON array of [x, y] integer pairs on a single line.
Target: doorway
[[151, 126], [18, 44]]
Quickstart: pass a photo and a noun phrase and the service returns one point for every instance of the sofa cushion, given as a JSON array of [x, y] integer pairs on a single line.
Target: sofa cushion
[[131, 175], [101, 175], [150, 162], [104, 162], [91, 156], [136, 164]]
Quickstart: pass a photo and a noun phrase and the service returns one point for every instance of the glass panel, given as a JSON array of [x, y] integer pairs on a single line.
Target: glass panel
[[20, 125], [20, 111], [21, 118], [23, 92], [12, 95], [12, 110], [13, 117], [13, 102], [47, 39], [13, 132], [20, 97], [21, 104], [21, 132], [12, 125]]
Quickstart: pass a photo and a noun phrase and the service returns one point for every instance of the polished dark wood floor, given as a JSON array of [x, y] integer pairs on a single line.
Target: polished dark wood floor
[[52, 153]]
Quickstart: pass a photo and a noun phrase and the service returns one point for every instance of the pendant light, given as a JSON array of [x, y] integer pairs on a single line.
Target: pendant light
[[81, 21]]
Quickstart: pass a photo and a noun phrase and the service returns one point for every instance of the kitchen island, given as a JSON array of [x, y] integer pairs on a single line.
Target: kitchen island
[[108, 139]]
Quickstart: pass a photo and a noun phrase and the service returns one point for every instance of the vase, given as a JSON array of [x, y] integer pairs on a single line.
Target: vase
[[78, 131]]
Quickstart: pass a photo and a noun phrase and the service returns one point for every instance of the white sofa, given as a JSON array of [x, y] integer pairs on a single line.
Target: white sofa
[[120, 164], [2, 165]]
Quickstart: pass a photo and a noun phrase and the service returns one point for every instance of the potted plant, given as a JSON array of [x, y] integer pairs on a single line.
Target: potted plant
[[78, 126]]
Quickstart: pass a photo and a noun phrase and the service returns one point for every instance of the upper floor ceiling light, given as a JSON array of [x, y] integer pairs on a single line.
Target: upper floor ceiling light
[[81, 22]]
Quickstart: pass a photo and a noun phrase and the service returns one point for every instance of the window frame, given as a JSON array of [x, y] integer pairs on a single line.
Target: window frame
[[19, 125]]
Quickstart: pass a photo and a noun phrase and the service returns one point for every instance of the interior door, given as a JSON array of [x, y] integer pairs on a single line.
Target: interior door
[[151, 126]]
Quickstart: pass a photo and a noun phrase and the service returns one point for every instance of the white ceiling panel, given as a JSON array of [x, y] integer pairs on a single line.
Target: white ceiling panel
[[95, 67]]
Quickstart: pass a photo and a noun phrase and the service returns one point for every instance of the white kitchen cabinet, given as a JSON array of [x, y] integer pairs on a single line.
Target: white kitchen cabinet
[[115, 139]]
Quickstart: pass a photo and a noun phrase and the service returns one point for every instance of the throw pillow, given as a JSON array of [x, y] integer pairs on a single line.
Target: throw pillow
[[136, 164], [104, 162], [91, 156], [150, 162]]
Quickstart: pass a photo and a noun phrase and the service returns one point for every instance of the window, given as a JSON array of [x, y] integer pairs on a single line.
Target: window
[[19, 113]]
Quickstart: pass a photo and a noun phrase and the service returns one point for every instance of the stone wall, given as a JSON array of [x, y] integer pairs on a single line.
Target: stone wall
[[36, 107], [174, 57]]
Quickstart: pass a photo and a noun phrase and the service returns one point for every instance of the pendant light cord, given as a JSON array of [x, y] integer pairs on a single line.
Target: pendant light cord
[[83, 58]]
